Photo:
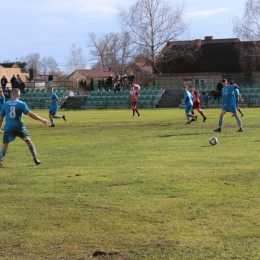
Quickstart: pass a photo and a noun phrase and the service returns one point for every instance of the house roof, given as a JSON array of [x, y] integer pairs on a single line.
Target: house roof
[[94, 73], [219, 56], [141, 66]]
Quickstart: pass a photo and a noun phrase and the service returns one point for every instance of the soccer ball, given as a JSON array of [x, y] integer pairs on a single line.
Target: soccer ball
[[213, 140]]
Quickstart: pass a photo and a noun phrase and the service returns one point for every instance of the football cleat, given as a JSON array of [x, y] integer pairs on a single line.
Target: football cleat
[[37, 161], [217, 130], [240, 129], [64, 118], [189, 122], [52, 125], [204, 119], [1, 164]]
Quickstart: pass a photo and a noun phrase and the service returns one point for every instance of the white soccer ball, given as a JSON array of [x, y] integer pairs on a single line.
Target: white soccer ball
[[213, 140]]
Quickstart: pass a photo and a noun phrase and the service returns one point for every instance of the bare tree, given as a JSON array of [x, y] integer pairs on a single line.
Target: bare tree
[[151, 24], [33, 62], [47, 65], [110, 50], [248, 29], [76, 58], [76, 61], [98, 48]]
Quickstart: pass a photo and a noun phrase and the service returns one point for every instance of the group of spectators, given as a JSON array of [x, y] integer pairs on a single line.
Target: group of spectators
[[213, 94], [16, 82], [119, 80]]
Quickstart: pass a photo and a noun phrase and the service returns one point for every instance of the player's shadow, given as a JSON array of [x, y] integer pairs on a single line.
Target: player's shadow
[[171, 135]]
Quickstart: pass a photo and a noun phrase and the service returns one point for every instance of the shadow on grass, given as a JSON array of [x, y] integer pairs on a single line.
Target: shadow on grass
[[186, 134]]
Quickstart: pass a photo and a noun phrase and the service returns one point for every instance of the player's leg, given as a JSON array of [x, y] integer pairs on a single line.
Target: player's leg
[[33, 151], [188, 114], [239, 122], [58, 117], [137, 110], [133, 108], [51, 114], [202, 114], [2, 153], [240, 111], [221, 120]]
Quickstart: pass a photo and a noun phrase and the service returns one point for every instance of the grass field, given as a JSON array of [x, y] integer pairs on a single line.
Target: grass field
[[137, 188]]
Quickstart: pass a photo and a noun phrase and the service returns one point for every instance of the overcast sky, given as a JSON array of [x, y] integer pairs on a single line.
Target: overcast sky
[[51, 26]]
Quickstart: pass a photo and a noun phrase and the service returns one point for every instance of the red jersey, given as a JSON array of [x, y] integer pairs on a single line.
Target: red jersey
[[195, 94]]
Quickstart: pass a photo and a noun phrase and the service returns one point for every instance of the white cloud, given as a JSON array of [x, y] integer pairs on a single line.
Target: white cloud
[[205, 13]]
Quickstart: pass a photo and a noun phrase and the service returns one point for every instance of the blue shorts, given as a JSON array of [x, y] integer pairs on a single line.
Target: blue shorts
[[188, 108], [229, 108], [10, 136], [53, 110]]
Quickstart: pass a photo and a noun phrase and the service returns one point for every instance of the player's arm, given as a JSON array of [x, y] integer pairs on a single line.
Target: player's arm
[[240, 97], [52, 101], [36, 117]]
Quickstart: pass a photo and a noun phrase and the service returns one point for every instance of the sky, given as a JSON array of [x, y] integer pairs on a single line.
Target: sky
[[50, 27]]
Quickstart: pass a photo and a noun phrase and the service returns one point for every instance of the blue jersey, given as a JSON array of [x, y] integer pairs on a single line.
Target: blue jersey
[[228, 94], [13, 111], [54, 105], [2, 101], [188, 99]]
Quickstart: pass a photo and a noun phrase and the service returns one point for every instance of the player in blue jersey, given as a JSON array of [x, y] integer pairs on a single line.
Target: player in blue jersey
[[228, 93], [2, 98], [188, 105], [238, 97], [54, 107], [13, 111]]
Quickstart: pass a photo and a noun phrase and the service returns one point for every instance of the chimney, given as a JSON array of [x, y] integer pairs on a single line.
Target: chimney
[[170, 44], [197, 44], [208, 38]]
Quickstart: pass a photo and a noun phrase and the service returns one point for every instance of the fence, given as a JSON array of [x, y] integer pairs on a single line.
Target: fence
[[44, 84]]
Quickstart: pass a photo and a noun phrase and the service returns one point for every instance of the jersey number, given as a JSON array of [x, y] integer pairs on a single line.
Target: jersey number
[[12, 113]]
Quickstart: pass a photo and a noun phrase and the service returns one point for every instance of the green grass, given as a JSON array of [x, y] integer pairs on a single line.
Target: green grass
[[147, 188]]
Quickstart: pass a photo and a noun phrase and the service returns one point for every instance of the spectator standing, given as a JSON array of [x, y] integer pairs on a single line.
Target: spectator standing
[[131, 78], [7, 93], [109, 82], [22, 87], [50, 80], [205, 96], [115, 80], [13, 80], [3, 83], [123, 78], [18, 79]]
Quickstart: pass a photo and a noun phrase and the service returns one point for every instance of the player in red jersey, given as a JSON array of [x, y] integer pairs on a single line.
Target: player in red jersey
[[133, 95], [196, 102]]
